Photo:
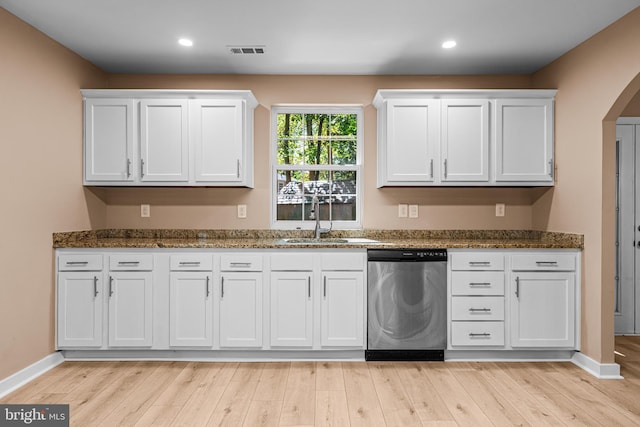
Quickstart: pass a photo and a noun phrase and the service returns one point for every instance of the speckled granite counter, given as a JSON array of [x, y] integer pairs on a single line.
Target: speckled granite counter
[[256, 239]]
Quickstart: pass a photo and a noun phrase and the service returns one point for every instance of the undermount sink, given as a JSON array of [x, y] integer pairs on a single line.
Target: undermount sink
[[325, 241]]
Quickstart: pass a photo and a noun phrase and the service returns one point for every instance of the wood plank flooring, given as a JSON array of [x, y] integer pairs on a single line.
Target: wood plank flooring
[[341, 393]]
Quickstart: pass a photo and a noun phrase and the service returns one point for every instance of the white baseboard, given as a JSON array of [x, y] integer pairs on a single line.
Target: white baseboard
[[27, 374], [603, 371]]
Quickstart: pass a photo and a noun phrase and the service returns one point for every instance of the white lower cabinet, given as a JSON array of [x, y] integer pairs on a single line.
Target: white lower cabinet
[[130, 302], [543, 309], [79, 309], [190, 309], [532, 305], [240, 309], [342, 308], [291, 309]]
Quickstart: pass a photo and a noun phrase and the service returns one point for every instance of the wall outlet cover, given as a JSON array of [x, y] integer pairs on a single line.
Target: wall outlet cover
[[145, 211], [403, 210], [242, 211], [413, 211], [500, 209]]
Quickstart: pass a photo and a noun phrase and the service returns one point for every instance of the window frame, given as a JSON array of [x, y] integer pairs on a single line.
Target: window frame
[[358, 110]]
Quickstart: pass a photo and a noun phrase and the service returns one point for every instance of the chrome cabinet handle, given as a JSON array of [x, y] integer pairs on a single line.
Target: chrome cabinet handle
[[547, 263], [517, 287], [479, 284], [445, 168], [141, 168], [551, 167], [208, 291], [431, 167], [128, 168], [77, 262], [239, 264], [324, 291], [189, 263], [479, 262], [95, 286], [238, 168], [222, 287], [480, 310], [110, 285], [483, 334], [309, 286], [128, 262]]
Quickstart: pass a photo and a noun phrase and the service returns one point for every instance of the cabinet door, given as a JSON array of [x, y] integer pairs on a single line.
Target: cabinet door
[[163, 140], [342, 309], [465, 140], [543, 310], [524, 140], [79, 309], [108, 140], [217, 135], [291, 309], [130, 309], [190, 309], [241, 310], [412, 140]]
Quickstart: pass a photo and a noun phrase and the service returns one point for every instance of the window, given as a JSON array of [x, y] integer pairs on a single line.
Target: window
[[316, 151]]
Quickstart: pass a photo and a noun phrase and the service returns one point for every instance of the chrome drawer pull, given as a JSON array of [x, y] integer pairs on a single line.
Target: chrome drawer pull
[[549, 263], [239, 264], [128, 262], [480, 284], [480, 310], [77, 262], [482, 335], [95, 286], [479, 262], [189, 262], [208, 291]]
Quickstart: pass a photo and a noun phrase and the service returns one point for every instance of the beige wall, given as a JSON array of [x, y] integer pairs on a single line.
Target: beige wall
[[440, 208], [595, 81], [41, 188], [633, 109]]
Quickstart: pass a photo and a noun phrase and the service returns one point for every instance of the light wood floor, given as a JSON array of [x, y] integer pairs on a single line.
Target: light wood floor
[[340, 394]]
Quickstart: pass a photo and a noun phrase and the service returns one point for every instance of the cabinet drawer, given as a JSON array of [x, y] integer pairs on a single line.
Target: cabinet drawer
[[477, 333], [477, 283], [291, 262], [80, 262], [476, 261], [129, 262], [477, 308], [544, 262], [241, 262], [343, 262], [191, 262]]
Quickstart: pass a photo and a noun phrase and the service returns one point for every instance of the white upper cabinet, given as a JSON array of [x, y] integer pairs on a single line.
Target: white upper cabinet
[[465, 137], [109, 130], [414, 127], [524, 140], [164, 147], [217, 134], [168, 137], [465, 140]]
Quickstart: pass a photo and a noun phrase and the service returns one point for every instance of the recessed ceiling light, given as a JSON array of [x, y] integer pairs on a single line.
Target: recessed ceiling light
[[185, 42], [449, 44]]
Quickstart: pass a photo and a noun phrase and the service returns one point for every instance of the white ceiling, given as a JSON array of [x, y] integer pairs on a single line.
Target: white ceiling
[[321, 37]]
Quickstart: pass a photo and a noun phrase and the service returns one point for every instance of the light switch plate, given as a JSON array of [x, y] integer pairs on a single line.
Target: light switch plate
[[242, 211], [403, 210], [413, 211], [500, 209], [145, 211]]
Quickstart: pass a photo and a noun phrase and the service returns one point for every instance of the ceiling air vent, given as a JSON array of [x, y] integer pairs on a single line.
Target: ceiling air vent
[[246, 50]]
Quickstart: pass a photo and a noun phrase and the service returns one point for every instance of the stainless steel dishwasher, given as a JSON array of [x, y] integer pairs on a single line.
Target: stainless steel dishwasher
[[407, 304]]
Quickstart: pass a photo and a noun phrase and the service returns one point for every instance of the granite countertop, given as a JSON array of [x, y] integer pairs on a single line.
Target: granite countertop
[[269, 239]]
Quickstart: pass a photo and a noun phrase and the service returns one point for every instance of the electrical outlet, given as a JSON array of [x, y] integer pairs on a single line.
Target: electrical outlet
[[242, 211], [145, 211], [500, 209], [413, 211], [403, 210]]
